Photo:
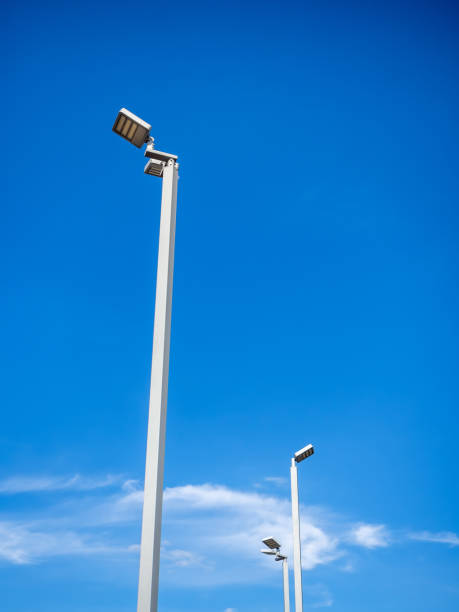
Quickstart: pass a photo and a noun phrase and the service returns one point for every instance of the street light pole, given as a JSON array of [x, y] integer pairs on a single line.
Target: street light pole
[[274, 550], [296, 539], [286, 585], [154, 468], [137, 131], [302, 454]]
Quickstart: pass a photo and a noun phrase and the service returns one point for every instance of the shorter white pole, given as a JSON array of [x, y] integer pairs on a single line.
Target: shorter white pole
[[286, 586], [296, 538]]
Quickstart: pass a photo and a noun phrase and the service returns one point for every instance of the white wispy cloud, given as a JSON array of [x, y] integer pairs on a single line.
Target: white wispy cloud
[[370, 536], [30, 484], [212, 533], [24, 544], [277, 480], [182, 558], [228, 524], [442, 537], [325, 603]]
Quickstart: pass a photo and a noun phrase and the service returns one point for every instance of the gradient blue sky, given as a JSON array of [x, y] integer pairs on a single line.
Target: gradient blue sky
[[315, 300]]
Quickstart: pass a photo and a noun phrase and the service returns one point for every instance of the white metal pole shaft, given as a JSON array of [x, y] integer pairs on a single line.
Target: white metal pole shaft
[[296, 538], [154, 469], [286, 586]]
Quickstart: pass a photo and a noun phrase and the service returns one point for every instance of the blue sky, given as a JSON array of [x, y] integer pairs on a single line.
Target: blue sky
[[315, 300]]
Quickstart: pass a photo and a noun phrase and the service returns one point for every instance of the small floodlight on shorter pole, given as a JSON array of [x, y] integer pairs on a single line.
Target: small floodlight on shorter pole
[[274, 549], [299, 456]]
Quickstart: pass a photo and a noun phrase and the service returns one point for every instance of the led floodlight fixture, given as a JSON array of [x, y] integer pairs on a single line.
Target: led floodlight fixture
[[132, 128], [304, 453], [271, 543], [154, 167], [157, 160]]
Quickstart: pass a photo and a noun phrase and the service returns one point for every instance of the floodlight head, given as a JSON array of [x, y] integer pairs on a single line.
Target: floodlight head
[[304, 453], [154, 167], [268, 552], [271, 543], [280, 557], [157, 160], [132, 128]]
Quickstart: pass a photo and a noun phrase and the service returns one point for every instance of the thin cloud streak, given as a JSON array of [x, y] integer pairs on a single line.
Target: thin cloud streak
[[24, 544], [32, 484], [442, 537], [277, 480]]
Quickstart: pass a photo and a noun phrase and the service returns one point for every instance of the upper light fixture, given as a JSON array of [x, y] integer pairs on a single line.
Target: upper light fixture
[[134, 129], [137, 131], [304, 453]]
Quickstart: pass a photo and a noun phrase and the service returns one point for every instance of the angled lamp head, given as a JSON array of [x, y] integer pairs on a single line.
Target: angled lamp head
[[304, 453], [271, 543], [131, 128], [267, 551], [157, 160]]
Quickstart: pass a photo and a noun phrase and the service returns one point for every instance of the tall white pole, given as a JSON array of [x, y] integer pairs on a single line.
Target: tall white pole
[[154, 470], [286, 586], [296, 538]]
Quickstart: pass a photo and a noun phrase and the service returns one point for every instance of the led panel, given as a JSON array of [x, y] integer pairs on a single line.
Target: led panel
[[271, 543], [131, 128], [305, 452], [154, 167]]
